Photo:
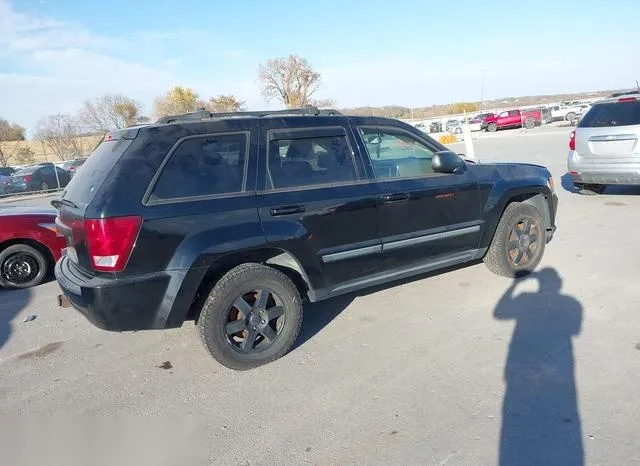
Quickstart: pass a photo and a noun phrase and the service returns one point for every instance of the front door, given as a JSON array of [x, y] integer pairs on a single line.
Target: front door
[[425, 217], [315, 203]]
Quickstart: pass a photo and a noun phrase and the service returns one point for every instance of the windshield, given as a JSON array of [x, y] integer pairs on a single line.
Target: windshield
[[612, 114]]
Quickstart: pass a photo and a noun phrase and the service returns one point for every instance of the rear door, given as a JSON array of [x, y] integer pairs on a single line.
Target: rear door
[[314, 200], [609, 132]]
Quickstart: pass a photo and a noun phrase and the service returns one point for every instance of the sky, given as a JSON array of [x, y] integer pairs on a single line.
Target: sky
[[55, 54]]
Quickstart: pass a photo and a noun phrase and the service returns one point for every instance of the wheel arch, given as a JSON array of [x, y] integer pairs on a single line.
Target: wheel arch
[[536, 196], [278, 258], [37, 245]]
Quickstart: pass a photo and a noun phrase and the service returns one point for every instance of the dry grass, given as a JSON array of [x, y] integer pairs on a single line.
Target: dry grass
[[42, 152]]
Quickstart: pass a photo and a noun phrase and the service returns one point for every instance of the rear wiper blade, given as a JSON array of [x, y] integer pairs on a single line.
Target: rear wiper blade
[[57, 203]]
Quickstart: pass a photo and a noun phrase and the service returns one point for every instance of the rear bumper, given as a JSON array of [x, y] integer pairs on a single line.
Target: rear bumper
[[603, 173], [133, 303]]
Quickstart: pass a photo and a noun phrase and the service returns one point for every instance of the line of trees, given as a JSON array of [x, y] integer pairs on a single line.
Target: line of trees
[[290, 80]]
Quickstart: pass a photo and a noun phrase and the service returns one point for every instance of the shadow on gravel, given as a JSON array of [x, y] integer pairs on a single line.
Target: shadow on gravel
[[540, 419], [11, 303], [567, 183], [318, 315], [620, 190]]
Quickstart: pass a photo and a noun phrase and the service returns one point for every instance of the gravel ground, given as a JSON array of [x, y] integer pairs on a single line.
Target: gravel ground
[[457, 368]]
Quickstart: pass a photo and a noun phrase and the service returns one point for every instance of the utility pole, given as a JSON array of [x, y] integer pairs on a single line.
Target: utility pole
[[482, 91]]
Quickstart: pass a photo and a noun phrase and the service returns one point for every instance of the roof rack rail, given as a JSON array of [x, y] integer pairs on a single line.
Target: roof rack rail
[[631, 91], [203, 114]]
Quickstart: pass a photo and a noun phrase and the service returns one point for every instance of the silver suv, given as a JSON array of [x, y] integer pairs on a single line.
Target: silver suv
[[604, 149]]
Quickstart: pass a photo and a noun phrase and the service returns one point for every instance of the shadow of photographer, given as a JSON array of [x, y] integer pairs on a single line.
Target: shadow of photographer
[[540, 418]]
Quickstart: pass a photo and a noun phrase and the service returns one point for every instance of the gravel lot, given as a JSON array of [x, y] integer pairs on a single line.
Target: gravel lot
[[410, 374]]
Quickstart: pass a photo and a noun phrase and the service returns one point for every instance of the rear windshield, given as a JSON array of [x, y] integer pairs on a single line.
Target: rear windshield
[[612, 114], [95, 170]]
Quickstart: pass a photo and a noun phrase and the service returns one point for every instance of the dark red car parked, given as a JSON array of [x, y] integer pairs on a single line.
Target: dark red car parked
[[30, 245]]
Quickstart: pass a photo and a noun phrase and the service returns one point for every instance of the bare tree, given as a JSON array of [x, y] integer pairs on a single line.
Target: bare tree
[[25, 155], [226, 103], [176, 101], [60, 134], [109, 112], [8, 150], [11, 134], [323, 103], [290, 80]]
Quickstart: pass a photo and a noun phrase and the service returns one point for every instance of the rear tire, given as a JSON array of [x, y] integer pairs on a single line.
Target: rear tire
[[570, 117], [492, 127], [590, 189], [529, 123], [458, 130], [22, 266], [236, 324], [514, 240]]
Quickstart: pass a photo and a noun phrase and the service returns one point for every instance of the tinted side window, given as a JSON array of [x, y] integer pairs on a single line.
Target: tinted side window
[[309, 161], [46, 171], [612, 114], [204, 166], [396, 154]]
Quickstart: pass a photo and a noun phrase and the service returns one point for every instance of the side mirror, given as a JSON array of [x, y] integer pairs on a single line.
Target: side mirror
[[446, 161]]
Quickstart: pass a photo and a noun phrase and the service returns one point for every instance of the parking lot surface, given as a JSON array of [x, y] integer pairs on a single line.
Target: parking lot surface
[[459, 368]]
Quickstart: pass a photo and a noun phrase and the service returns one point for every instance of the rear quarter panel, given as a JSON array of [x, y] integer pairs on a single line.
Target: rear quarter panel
[[18, 227]]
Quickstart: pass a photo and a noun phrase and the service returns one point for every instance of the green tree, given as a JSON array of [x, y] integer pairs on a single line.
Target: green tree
[[176, 101]]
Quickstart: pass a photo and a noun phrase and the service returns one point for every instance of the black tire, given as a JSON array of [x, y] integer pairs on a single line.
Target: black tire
[[529, 123], [499, 259], [22, 266], [492, 127], [44, 186], [239, 285], [590, 189], [458, 130], [570, 117]]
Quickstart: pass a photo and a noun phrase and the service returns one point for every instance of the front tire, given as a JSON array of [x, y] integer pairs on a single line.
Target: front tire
[[518, 243], [492, 127], [570, 117], [252, 317], [22, 266]]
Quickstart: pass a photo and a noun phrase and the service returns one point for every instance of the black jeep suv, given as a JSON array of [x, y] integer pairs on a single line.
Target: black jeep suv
[[236, 219]]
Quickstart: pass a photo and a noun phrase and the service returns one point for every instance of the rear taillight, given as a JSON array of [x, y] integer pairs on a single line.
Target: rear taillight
[[110, 241], [27, 178], [572, 140]]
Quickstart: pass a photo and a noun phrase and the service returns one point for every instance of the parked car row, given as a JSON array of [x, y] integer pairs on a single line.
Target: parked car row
[[41, 176]]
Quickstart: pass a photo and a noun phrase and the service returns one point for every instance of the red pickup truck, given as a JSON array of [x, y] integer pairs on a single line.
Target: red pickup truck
[[512, 119]]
